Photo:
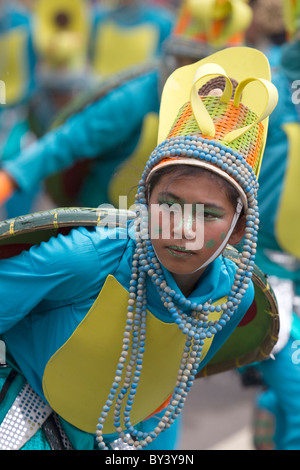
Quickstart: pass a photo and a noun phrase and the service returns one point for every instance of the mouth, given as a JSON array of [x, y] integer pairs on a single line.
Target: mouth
[[179, 251]]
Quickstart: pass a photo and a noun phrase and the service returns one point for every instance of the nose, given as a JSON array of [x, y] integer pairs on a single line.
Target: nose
[[184, 224], [189, 226]]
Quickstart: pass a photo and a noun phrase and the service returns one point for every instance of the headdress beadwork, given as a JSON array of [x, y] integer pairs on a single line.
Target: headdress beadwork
[[225, 136]]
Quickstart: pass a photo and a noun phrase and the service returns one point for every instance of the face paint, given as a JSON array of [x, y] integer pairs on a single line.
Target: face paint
[[210, 243]]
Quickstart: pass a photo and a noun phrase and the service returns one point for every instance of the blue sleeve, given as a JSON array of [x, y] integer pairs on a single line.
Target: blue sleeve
[[67, 268], [96, 130]]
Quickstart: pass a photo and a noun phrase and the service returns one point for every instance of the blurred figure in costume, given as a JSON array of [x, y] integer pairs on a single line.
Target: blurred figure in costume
[[17, 75], [277, 417], [104, 157], [122, 318], [141, 29], [267, 31], [62, 30], [49, 43]]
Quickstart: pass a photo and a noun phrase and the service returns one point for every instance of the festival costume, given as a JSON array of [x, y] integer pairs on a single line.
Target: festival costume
[[46, 59], [278, 245], [97, 135], [93, 156], [83, 274], [57, 64], [205, 27]]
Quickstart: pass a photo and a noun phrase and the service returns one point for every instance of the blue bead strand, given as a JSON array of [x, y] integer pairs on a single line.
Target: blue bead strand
[[195, 324]]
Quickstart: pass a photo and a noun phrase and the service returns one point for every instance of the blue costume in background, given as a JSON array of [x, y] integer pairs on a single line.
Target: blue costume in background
[[97, 134], [74, 267], [17, 71], [281, 375]]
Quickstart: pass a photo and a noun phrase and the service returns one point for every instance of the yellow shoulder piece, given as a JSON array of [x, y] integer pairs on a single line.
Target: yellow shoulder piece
[[78, 377]]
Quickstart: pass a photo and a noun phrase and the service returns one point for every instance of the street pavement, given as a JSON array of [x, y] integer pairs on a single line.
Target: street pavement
[[218, 414]]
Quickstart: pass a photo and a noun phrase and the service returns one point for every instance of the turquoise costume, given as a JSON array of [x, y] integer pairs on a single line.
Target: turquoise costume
[[96, 134], [93, 282], [69, 285], [273, 185], [17, 71]]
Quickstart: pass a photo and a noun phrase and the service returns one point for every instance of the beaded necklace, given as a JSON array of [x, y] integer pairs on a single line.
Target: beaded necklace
[[196, 325]]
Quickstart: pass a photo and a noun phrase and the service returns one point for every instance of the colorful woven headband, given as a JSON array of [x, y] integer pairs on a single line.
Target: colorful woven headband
[[212, 131], [291, 9]]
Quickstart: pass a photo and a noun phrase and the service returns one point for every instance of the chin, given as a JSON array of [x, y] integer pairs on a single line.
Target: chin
[[181, 267]]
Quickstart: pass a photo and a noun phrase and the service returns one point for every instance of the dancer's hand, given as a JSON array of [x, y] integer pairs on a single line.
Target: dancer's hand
[[7, 187]]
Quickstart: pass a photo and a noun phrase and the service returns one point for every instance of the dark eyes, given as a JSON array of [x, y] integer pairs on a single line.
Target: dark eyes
[[175, 207]]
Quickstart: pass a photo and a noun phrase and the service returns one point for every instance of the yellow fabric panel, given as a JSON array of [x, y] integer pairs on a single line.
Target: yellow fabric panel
[[288, 219], [14, 68], [127, 176], [118, 48], [78, 377]]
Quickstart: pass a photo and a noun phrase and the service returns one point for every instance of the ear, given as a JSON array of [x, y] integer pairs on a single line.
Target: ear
[[238, 232]]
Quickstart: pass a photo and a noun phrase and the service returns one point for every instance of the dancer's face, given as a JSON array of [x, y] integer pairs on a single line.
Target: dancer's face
[[189, 218]]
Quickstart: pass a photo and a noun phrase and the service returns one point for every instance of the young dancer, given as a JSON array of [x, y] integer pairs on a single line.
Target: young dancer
[[116, 323]]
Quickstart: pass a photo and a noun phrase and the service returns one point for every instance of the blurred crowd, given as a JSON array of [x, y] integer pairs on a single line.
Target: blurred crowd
[[53, 50]]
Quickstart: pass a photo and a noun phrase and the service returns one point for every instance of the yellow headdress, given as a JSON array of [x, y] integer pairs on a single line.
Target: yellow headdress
[[224, 133]]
